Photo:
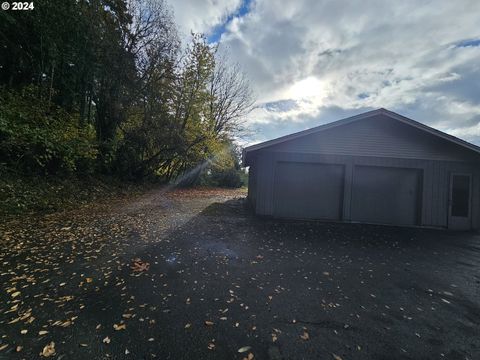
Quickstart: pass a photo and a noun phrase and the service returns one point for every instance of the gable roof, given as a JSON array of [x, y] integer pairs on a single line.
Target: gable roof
[[349, 120]]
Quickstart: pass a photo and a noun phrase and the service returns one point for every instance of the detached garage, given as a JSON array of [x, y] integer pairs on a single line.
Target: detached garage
[[377, 167]]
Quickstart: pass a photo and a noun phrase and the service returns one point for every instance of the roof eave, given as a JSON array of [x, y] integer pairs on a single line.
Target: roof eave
[[357, 117], [313, 130]]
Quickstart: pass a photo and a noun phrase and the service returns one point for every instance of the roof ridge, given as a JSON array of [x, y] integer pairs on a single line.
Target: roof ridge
[[357, 117]]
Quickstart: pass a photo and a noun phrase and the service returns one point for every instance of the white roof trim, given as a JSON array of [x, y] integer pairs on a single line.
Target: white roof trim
[[365, 115]]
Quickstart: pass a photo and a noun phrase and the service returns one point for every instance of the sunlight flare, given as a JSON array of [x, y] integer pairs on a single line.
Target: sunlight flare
[[308, 88]]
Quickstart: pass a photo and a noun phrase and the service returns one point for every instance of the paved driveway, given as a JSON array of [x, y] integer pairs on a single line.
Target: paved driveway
[[219, 280]]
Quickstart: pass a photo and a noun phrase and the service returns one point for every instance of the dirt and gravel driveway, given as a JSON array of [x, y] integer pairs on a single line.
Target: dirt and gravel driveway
[[211, 279]]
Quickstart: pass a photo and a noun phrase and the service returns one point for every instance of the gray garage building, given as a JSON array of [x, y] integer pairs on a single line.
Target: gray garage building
[[376, 167]]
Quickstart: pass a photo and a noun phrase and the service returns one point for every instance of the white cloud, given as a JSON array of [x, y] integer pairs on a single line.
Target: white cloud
[[202, 15], [342, 57]]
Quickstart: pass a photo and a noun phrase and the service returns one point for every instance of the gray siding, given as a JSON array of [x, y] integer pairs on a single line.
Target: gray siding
[[375, 141], [252, 185], [436, 178], [378, 136]]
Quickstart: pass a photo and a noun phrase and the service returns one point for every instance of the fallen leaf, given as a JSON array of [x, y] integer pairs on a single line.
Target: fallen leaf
[[106, 340], [244, 349], [188, 325], [48, 350], [208, 322], [19, 348], [305, 336], [211, 346], [4, 346], [120, 327], [336, 357], [42, 332], [23, 332], [89, 280], [139, 266]]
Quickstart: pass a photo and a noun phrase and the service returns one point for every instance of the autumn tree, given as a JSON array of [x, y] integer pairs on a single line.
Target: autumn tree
[[122, 88], [191, 110]]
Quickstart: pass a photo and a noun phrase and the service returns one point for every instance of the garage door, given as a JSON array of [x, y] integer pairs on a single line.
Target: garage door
[[308, 190], [386, 195]]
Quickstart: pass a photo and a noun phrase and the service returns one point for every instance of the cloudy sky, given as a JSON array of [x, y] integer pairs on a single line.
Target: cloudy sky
[[313, 61]]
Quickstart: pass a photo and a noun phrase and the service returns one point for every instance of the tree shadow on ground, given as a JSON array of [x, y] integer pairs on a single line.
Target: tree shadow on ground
[[296, 289], [227, 279]]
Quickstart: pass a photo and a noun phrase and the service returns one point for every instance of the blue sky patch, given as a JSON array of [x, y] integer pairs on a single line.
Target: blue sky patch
[[281, 105], [469, 43], [218, 30]]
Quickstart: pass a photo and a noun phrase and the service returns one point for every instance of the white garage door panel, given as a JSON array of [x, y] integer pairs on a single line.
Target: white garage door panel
[[386, 195], [308, 190]]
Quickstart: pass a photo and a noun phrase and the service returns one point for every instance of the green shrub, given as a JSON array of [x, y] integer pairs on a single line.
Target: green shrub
[[37, 137], [229, 178], [225, 170]]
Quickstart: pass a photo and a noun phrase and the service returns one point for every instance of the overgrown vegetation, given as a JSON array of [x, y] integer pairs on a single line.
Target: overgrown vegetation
[[46, 194], [106, 88]]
